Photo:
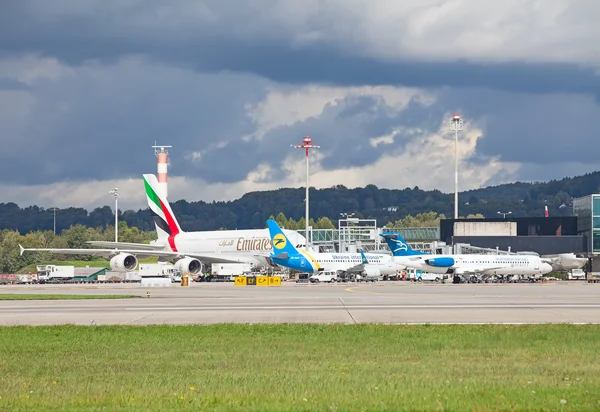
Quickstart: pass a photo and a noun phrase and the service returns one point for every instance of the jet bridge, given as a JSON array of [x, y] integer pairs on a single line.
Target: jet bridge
[[354, 234], [467, 249]]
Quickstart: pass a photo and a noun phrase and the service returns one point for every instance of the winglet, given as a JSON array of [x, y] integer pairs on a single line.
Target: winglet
[[21, 250], [364, 258]]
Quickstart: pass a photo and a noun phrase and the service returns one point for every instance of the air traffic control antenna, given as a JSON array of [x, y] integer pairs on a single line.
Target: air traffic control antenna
[[456, 124], [306, 144], [163, 159]]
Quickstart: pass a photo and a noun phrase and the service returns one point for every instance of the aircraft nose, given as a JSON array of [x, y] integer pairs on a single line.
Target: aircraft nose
[[546, 268]]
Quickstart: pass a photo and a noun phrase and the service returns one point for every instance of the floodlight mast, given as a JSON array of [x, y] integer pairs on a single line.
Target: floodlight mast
[[54, 208], [456, 124], [504, 214], [306, 144], [115, 193]]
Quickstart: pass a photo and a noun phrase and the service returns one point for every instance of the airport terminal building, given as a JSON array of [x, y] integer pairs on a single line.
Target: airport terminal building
[[542, 235], [587, 211], [579, 234]]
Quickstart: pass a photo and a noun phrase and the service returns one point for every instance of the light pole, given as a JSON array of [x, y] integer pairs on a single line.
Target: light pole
[[306, 144], [344, 230], [115, 193], [54, 209], [504, 214], [456, 124]]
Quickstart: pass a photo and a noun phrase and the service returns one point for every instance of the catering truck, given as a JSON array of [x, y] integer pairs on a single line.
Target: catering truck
[[54, 273], [229, 271]]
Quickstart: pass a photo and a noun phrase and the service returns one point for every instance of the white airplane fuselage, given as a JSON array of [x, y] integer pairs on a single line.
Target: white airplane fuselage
[[487, 264], [238, 245], [315, 262]]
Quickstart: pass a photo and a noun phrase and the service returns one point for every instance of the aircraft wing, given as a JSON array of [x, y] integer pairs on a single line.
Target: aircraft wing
[[207, 258], [474, 271], [104, 252], [119, 245], [356, 268]]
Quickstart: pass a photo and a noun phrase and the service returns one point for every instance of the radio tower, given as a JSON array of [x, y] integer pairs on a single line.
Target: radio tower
[[456, 124], [163, 159], [306, 144]]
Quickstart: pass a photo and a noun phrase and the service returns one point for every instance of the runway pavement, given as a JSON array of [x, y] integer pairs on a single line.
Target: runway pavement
[[383, 302]]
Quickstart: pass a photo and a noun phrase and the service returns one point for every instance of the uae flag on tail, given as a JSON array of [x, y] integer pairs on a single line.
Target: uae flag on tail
[[546, 211]]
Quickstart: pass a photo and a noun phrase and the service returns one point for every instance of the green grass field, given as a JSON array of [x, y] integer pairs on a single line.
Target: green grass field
[[301, 367], [33, 296]]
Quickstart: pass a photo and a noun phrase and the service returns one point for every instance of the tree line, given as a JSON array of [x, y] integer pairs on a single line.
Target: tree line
[[386, 205], [75, 237]]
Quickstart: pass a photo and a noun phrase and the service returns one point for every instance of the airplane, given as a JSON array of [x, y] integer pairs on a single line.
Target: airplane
[[564, 261], [191, 252], [286, 254], [464, 264], [373, 275]]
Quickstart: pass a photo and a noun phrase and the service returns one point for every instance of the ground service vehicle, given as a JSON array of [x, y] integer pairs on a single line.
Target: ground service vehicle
[[327, 277], [53, 273]]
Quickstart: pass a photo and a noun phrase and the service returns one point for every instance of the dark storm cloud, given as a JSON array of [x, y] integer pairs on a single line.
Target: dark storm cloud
[[208, 45], [343, 130], [530, 128], [546, 132], [12, 84], [99, 122]]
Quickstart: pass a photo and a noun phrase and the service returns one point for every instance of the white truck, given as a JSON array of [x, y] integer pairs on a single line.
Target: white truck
[[53, 273], [327, 277], [420, 276], [576, 274], [230, 270], [161, 269]]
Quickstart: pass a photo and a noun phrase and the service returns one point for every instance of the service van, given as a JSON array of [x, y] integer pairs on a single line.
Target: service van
[[417, 275], [326, 277]]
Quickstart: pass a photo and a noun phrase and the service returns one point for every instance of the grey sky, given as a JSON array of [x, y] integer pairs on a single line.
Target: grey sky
[[88, 86]]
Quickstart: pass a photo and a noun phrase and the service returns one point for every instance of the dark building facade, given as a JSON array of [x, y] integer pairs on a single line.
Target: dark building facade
[[587, 210], [543, 235]]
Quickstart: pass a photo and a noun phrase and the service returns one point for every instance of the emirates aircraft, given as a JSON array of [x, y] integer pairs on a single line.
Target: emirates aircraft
[[190, 252]]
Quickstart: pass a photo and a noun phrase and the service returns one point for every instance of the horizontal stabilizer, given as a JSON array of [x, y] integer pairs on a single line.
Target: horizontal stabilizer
[[283, 255]]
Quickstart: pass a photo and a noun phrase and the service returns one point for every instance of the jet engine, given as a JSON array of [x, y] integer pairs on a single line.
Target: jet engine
[[123, 262], [189, 265], [442, 262], [372, 273]]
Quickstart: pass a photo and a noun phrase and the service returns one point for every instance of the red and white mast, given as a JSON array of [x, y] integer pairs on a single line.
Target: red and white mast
[[306, 144], [162, 154]]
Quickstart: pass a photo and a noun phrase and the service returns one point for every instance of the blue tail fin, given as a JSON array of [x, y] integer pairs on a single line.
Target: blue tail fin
[[364, 258], [279, 240], [398, 245]]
